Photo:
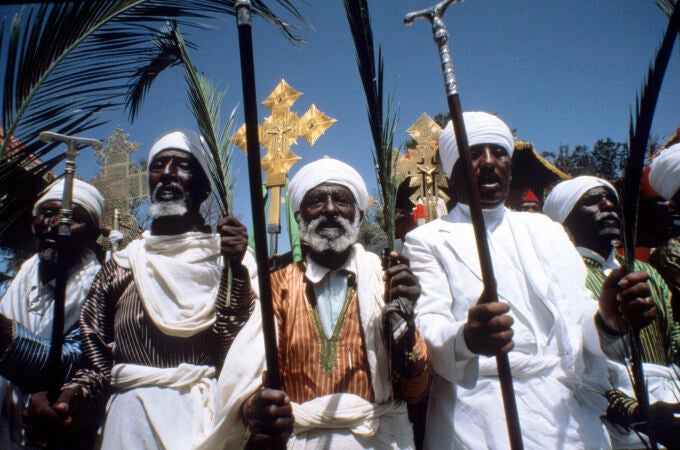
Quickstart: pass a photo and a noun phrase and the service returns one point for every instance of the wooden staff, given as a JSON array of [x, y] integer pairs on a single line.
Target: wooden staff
[[245, 41], [55, 369], [441, 38]]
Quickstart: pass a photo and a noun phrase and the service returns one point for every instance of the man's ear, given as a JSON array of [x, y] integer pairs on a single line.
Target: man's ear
[[298, 217], [361, 216]]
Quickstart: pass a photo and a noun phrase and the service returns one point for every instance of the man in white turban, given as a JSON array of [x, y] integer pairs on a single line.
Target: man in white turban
[[588, 207], [160, 318], [337, 390], [545, 319], [26, 309]]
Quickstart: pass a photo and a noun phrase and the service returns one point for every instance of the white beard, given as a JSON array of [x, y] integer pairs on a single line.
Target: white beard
[[337, 240], [160, 208], [164, 209]]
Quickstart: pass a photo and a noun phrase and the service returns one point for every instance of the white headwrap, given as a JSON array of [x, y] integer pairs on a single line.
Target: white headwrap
[[326, 170], [664, 173], [481, 128], [187, 142], [561, 200], [84, 194]]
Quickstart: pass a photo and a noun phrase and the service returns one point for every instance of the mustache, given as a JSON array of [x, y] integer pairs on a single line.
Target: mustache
[[606, 215], [172, 185]]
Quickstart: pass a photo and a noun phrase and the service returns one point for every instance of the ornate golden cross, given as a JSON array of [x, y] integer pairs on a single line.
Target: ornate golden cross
[[277, 134], [422, 166]]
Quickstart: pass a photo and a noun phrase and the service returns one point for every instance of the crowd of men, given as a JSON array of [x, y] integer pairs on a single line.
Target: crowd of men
[[164, 342]]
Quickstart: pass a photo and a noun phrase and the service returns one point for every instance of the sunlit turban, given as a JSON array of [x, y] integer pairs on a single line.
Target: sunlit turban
[[561, 200], [481, 128], [84, 194], [326, 170], [187, 142], [664, 175]]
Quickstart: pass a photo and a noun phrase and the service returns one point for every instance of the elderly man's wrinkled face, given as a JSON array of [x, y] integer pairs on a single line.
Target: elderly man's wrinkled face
[[594, 217], [177, 184], [491, 167], [45, 228], [328, 218]]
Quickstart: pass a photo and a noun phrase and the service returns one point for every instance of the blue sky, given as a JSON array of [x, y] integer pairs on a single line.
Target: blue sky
[[558, 72]]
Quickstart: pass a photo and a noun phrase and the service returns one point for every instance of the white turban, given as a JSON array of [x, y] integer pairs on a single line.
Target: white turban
[[187, 142], [326, 170], [664, 173], [84, 194], [561, 200], [481, 128]]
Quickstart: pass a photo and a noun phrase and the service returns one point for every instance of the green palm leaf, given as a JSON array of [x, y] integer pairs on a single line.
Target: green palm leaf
[[384, 155], [59, 73]]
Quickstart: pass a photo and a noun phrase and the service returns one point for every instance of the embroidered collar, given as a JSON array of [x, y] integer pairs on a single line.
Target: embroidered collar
[[596, 260]]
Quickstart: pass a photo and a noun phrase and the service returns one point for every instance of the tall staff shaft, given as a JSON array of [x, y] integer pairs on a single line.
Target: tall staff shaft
[[490, 294], [55, 369], [245, 40]]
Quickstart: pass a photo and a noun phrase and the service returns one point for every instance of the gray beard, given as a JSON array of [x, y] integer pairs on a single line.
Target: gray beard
[[165, 209], [337, 240], [160, 208]]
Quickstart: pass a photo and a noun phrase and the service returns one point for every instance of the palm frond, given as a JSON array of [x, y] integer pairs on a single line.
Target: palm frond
[[382, 131], [59, 73], [639, 130]]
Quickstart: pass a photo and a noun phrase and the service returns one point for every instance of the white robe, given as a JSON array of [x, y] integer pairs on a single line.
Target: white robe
[[177, 278], [342, 421], [542, 277], [31, 304]]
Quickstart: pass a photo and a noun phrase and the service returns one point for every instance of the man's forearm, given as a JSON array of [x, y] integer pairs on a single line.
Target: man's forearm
[[24, 360]]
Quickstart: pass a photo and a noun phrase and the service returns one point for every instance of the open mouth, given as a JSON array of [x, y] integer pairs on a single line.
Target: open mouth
[[167, 193]]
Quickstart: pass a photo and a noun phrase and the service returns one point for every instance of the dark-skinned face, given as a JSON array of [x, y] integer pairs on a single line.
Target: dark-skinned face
[[594, 221], [45, 229], [176, 177], [491, 169], [327, 218]]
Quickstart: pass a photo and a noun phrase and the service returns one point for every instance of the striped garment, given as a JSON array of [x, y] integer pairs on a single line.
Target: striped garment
[[116, 329], [24, 361], [660, 339], [313, 365]]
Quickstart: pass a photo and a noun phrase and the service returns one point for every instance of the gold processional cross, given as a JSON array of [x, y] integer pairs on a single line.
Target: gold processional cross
[[422, 166], [277, 134]]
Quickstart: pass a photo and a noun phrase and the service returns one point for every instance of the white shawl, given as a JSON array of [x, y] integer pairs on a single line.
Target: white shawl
[[244, 365], [177, 278], [30, 304]]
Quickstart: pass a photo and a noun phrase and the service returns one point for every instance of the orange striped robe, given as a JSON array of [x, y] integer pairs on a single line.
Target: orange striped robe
[[302, 345]]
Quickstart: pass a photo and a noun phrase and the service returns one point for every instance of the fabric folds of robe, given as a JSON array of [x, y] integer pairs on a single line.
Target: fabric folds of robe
[[244, 365], [159, 408], [177, 287]]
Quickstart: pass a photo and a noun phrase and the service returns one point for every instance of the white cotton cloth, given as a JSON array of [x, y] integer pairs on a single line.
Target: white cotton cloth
[[561, 200], [30, 303], [326, 170], [481, 128], [244, 366], [170, 408], [177, 278], [542, 277], [84, 194], [349, 421], [187, 142], [664, 172]]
